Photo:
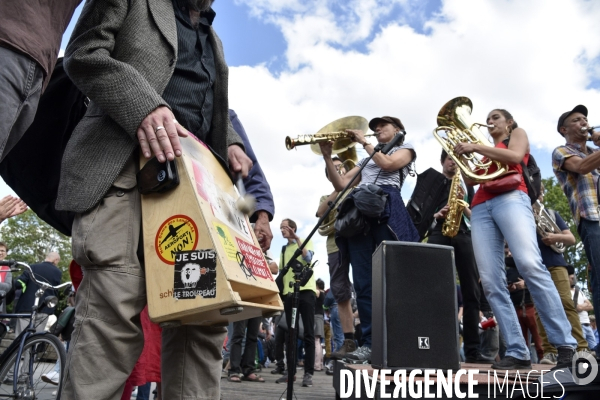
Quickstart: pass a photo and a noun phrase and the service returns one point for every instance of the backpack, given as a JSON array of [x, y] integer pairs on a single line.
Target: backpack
[[424, 200], [532, 176]]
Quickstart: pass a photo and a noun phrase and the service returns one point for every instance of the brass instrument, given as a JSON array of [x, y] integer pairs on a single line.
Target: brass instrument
[[333, 132], [545, 224], [343, 147], [455, 120], [455, 211]]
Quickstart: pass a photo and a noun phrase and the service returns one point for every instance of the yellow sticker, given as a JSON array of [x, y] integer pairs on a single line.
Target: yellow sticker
[[178, 233], [226, 240]]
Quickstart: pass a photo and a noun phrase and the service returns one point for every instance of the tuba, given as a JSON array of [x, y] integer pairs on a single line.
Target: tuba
[[343, 147], [455, 126], [455, 211], [545, 224]]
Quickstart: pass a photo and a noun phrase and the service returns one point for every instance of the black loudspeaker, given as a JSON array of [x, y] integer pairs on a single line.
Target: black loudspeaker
[[415, 312]]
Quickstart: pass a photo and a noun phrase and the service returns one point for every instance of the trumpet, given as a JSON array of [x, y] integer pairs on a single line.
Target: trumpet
[[318, 138]]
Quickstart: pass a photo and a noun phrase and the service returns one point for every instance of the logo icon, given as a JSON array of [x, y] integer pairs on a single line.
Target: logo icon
[[178, 233], [423, 343], [161, 175], [584, 368]]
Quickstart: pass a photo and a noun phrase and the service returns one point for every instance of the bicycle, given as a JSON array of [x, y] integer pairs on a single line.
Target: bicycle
[[30, 355]]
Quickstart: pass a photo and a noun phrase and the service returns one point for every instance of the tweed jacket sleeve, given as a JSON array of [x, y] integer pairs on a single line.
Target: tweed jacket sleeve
[[117, 87]]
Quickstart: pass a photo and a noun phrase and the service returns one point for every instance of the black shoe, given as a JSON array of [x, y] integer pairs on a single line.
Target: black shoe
[[508, 363], [564, 359], [478, 360], [278, 371]]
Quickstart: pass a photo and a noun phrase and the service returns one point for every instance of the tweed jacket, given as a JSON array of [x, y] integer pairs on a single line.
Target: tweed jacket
[[121, 55]]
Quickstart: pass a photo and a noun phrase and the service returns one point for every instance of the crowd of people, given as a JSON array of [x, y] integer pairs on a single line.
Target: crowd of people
[[150, 68]]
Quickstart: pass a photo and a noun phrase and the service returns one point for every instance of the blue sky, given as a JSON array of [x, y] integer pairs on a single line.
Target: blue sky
[[297, 65]]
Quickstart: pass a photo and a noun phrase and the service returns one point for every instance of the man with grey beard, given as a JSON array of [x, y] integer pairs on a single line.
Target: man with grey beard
[[150, 68]]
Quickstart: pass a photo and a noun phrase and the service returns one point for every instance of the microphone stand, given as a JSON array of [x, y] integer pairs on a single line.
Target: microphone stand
[[398, 139]]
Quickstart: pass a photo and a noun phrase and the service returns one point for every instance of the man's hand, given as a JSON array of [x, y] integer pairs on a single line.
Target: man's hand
[[239, 161], [11, 206], [262, 230], [159, 134]]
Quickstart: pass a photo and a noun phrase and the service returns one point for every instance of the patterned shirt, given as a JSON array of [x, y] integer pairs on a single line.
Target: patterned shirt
[[579, 189]]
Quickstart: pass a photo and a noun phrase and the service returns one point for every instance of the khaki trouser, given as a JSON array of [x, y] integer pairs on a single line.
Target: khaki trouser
[[108, 339], [560, 277]]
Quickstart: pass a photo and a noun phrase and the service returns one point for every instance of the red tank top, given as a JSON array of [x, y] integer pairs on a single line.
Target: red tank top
[[482, 196]]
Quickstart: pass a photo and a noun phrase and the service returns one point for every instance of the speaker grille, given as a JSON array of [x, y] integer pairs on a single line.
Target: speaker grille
[[416, 325]]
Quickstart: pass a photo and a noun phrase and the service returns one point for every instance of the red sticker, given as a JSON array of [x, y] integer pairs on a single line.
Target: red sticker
[[254, 259]]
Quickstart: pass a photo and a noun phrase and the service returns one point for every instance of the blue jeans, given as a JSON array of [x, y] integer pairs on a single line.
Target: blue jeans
[[590, 236], [509, 216], [336, 325], [589, 336], [361, 249]]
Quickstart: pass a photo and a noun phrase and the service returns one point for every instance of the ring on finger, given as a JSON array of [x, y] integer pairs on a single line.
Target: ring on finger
[[158, 128]]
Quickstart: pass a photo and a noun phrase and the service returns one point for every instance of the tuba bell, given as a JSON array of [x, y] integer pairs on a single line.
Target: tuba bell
[[455, 126]]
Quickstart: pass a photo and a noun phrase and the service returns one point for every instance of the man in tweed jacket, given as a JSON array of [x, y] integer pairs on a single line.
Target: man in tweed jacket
[[129, 57]]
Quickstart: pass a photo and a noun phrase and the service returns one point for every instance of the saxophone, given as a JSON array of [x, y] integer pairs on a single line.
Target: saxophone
[[457, 206]]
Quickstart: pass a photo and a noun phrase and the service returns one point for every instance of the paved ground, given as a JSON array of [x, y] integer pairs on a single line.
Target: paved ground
[[322, 388]]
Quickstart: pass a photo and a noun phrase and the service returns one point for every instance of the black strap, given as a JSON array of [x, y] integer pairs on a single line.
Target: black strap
[[576, 297]]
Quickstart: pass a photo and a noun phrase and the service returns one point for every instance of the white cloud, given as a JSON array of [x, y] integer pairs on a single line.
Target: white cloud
[[534, 58]]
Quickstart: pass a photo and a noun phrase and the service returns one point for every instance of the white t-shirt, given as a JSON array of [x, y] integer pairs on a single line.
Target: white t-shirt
[[374, 174], [583, 315]]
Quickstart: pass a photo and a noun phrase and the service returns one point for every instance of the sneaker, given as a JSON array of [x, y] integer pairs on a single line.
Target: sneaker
[[307, 380], [362, 355], [508, 363], [564, 359], [278, 370], [51, 377], [284, 379], [348, 347], [549, 359]]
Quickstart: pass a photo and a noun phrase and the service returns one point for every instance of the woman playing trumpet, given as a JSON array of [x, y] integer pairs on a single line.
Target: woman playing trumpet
[[496, 217], [388, 172]]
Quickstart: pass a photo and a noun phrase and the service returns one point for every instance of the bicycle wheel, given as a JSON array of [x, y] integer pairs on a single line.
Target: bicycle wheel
[[42, 353]]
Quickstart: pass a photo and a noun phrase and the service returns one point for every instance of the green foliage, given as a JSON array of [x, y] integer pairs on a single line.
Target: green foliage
[[29, 239], [555, 199]]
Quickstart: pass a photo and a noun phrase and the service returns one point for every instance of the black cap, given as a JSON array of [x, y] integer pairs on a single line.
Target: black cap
[[578, 109], [570, 269], [388, 120]]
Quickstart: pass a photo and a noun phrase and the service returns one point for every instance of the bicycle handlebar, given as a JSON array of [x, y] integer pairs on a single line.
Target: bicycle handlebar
[[43, 285]]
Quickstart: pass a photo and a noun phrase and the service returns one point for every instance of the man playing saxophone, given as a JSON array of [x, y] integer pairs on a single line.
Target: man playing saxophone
[[464, 258]]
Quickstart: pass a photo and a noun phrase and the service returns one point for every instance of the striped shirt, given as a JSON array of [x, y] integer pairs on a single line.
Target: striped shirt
[[375, 175], [579, 189]]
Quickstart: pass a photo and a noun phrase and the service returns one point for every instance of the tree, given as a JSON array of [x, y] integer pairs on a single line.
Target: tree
[[29, 239], [555, 199]]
